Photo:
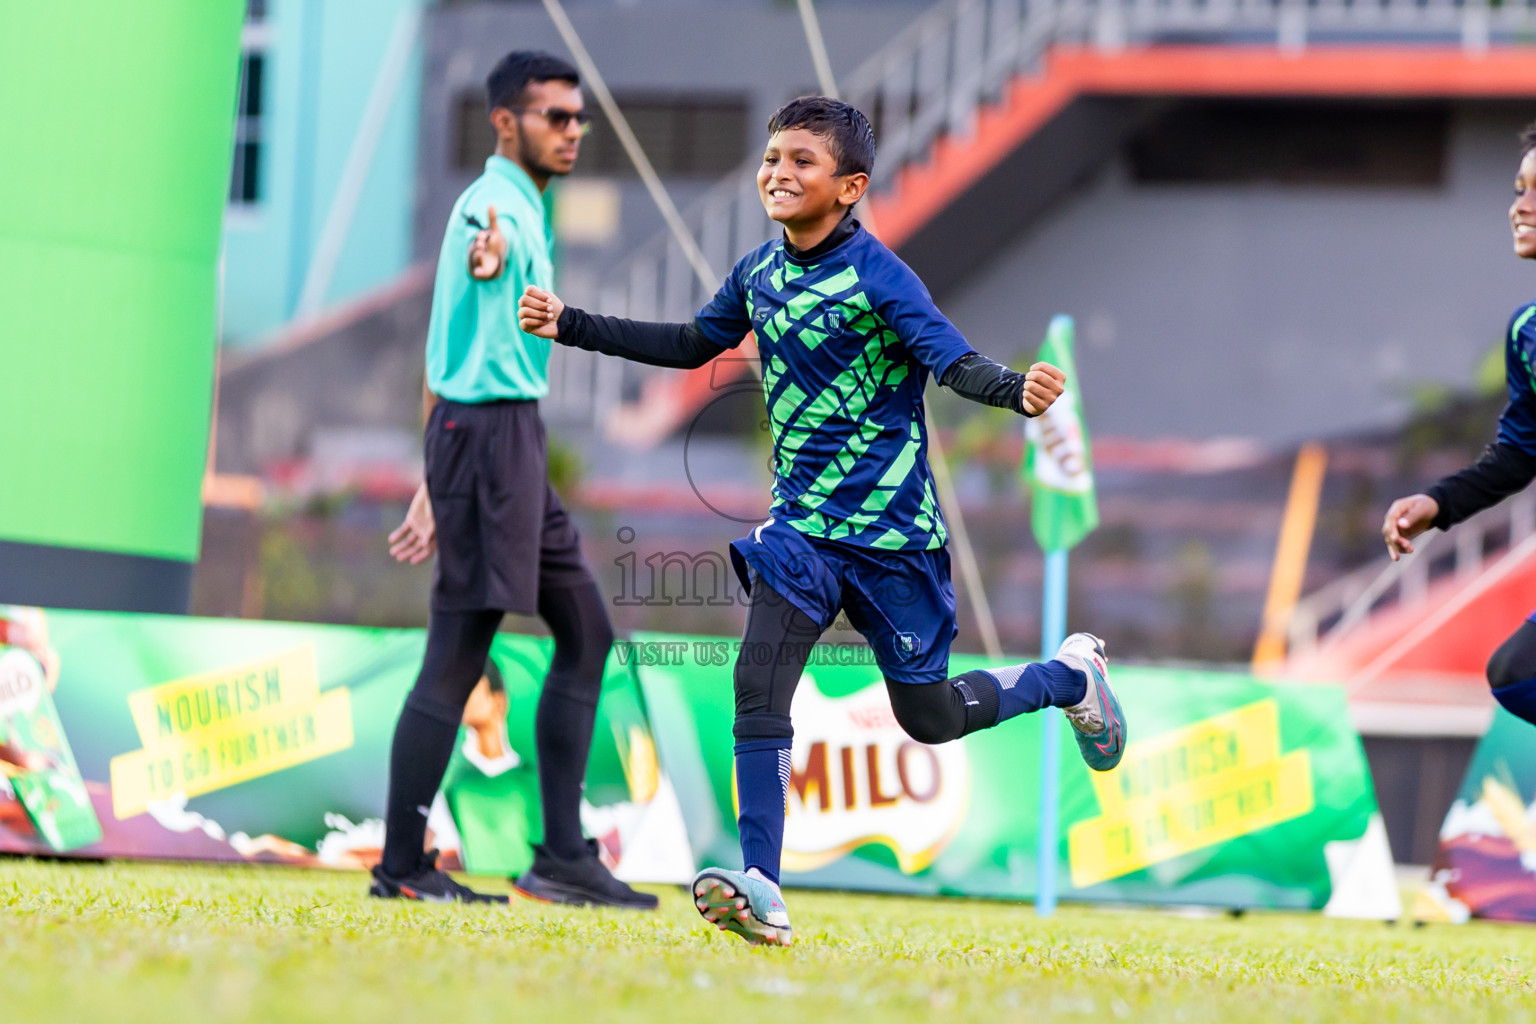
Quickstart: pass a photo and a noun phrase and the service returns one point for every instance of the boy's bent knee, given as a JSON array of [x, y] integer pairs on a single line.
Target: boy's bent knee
[[926, 711], [1501, 668], [1515, 660], [1498, 670], [926, 730]]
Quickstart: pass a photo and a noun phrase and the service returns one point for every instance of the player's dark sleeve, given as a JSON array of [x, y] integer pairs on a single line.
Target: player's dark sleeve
[[725, 319], [682, 346], [978, 378], [1503, 470], [720, 325], [1509, 464], [902, 301]]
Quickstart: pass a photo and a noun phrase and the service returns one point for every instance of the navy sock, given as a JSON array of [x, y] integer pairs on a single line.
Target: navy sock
[[762, 784], [1025, 688], [1519, 699]]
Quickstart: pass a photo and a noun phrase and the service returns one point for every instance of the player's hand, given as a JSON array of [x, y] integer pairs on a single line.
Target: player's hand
[[538, 312], [1406, 519], [1043, 384], [488, 252], [415, 540]]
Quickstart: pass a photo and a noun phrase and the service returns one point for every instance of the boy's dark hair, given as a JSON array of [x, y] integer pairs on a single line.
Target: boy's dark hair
[[845, 129], [1527, 139], [519, 69], [493, 676]]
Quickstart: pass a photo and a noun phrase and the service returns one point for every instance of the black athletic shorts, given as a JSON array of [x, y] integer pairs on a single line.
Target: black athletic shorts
[[502, 534]]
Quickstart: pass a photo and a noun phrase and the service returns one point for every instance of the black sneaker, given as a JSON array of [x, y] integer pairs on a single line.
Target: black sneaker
[[580, 883], [426, 883]]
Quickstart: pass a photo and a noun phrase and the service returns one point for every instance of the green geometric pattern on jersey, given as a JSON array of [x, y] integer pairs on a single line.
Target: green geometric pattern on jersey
[[1514, 337], [816, 309]]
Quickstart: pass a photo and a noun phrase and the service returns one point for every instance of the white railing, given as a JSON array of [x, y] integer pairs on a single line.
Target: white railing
[[1325, 617], [936, 75]]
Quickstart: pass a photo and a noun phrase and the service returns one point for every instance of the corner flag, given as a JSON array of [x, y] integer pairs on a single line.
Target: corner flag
[[1058, 466]]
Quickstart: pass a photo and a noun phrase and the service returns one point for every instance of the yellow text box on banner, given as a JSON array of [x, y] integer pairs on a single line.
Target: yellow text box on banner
[[1209, 748], [196, 704], [240, 749], [1210, 782]]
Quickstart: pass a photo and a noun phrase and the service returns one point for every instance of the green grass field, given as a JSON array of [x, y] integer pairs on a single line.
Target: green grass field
[[131, 942]]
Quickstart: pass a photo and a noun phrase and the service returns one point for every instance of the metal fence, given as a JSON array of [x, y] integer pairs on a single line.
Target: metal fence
[[1327, 616], [934, 78]]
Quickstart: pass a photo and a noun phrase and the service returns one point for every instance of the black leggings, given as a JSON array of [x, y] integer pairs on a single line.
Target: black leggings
[[457, 646], [1515, 660], [774, 652], [459, 642]]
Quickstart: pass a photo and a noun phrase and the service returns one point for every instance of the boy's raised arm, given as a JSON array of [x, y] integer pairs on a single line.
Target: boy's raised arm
[[682, 346], [980, 379], [904, 303]]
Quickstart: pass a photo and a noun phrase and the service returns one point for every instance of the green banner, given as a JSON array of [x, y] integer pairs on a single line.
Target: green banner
[[220, 739], [1058, 463], [1234, 793], [109, 248], [1486, 865], [217, 739]]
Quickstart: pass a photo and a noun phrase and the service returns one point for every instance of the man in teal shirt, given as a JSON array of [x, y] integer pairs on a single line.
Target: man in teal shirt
[[475, 352], [503, 541]]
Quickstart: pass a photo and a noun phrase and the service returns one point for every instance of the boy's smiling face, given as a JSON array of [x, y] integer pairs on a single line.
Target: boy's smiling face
[[799, 184], [1522, 212]]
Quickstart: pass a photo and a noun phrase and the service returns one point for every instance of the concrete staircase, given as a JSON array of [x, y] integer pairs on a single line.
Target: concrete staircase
[[987, 111]]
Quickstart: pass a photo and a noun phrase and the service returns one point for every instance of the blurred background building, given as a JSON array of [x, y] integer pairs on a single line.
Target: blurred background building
[[323, 181], [1273, 223]]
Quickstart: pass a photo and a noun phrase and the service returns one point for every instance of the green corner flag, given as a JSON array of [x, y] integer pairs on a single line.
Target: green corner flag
[[1058, 466]]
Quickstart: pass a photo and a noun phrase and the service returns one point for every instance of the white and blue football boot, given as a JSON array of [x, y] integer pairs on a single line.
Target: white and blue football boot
[[750, 906], [1097, 720]]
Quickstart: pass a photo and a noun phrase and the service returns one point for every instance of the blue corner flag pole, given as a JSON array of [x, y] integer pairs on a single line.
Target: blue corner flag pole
[[1053, 630]]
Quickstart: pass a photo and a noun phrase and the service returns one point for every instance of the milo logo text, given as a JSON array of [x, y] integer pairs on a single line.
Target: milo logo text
[[857, 779], [864, 776]]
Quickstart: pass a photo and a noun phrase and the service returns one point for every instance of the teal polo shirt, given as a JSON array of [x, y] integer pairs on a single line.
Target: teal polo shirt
[[475, 351]]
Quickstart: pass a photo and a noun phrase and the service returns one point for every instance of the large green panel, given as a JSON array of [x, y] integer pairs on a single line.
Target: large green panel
[[116, 122]]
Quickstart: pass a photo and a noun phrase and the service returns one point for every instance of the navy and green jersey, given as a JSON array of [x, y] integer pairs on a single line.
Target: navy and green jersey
[[1517, 426], [1509, 464], [848, 339]]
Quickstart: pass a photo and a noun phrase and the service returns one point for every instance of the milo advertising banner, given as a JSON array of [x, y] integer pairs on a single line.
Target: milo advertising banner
[[170, 737], [1232, 792], [1486, 866]]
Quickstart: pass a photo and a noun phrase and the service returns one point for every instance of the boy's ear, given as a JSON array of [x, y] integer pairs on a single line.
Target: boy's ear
[[853, 188], [505, 123]]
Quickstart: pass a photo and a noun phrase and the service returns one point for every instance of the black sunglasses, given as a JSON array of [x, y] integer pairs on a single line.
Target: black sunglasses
[[558, 117]]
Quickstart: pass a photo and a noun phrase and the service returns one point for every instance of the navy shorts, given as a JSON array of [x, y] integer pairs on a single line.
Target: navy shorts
[[902, 601], [502, 534]]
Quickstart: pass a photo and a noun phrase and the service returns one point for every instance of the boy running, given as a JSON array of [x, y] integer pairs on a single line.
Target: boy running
[[848, 337], [1508, 465]]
